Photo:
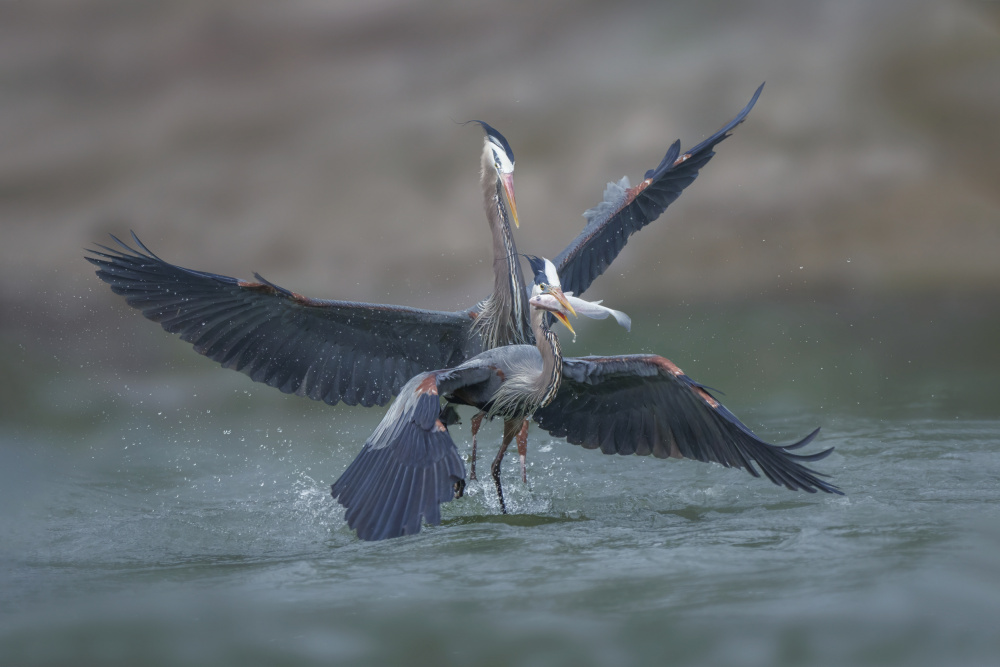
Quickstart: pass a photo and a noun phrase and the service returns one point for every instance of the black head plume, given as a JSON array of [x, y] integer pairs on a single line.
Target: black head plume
[[496, 137], [537, 267]]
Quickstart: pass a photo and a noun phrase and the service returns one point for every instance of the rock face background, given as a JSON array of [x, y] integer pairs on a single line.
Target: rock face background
[[314, 142]]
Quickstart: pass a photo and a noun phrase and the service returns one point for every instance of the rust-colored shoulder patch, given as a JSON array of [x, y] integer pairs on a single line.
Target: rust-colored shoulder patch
[[257, 287], [439, 426], [706, 397], [428, 385], [271, 288], [683, 158], [634, 191], [668, 365]]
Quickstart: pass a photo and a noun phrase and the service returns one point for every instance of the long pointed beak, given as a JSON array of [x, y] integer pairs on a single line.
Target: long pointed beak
[[563, 301], [565, 320], [508, 192], [547, 305]]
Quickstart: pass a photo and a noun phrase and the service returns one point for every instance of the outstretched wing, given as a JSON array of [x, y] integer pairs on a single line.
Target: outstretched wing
[[409, 465], [644, 404], [625, 209], [327, 350]]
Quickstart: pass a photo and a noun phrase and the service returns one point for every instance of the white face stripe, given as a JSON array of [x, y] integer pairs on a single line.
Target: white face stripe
[[500, 157], [551, 275]]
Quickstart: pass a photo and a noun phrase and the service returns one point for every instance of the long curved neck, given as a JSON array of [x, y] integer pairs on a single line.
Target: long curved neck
[[528, 387], [503, 317], [548, 381]]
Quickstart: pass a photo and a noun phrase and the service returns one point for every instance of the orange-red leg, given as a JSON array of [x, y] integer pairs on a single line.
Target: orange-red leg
[[477, 421], [522, 450]]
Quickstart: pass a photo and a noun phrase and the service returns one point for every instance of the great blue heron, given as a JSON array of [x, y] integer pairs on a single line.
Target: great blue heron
[[550, 299], [635, 404], [362, 353]]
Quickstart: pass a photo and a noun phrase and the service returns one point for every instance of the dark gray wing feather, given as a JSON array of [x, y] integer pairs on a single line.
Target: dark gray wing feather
[[625, 210], [644, 404], [409, 465], [327, 350]]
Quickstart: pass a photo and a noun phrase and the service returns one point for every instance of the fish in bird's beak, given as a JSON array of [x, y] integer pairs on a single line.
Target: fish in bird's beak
[[507, 180], [547, 279], [556, 308], [557, 293], [592, 309]]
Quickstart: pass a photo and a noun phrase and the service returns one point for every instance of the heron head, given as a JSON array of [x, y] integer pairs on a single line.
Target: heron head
[[544, 270], [547, 282], [502, 156], [557, 305]]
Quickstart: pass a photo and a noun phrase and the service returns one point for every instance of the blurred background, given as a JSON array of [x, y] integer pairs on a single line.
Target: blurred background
[[315, 142]]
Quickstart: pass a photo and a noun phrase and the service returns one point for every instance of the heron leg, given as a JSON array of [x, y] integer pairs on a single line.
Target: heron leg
[[477, 421], [509, 431], [522, 449]]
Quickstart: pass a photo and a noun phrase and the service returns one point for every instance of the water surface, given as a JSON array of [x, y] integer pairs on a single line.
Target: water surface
[[185, 518]]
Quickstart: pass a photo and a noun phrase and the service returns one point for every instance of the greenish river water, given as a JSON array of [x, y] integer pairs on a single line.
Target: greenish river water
[[180, 515]]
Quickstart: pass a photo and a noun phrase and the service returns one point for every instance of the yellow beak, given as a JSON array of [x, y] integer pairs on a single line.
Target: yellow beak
[[508, 192], [565, 320], [563, 301]]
